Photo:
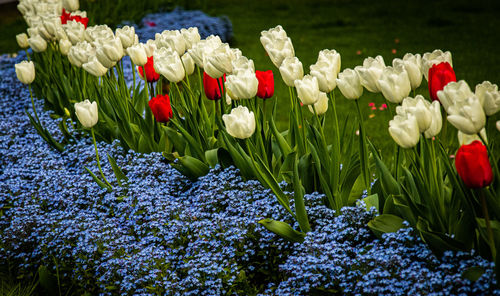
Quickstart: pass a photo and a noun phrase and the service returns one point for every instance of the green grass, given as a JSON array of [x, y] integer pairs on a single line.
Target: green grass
[[355, 28]]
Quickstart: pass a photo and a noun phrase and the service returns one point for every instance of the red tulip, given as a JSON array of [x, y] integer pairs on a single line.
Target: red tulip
[[439, 76], [266, 84], [66, 16], [160, 106], [473, 166], [211, 86], [151, 74]]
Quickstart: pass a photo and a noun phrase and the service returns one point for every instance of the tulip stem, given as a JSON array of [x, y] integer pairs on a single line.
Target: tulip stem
[[363, 153], [335, 119], [33, 103], [488, 225], [133, 71], [145, 82], [495, 166], [97, 157], [27, 55]]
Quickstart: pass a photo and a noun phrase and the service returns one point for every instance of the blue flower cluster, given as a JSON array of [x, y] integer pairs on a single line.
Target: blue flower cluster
[[179, 18], [163, 234]]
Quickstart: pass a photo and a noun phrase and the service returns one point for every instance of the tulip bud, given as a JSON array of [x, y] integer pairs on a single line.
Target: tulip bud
[[439, 76], [204, 47], [64, 46], [291, 70], [22, 40], [473, 165], [434, 58], [150, 47], [188, 63], [212, 86], [37, 43], [138, 54], [242, 64], [349, 84], [488, 95], [404, 130], [307, 89], [266, 84], [94, 67], [127, 36], [277, 45], [370, 73], [418, 107], [161, 108], [467, 116], [218, 62], [151, 74], [326, 75], [86, 113], [321, 105], [109, 51], [71, 5], [25, 72], [98, 32], [242, 86], [394, 84], [454, 93], [332, 58], [411, 63], [240, 123], [437, 120], [465, 139], [171, 39], [75, 31], [191, 36], [168, 63]]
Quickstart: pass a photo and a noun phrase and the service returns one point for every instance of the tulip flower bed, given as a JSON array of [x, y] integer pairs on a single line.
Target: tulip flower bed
[[166, 234], [197, 217]]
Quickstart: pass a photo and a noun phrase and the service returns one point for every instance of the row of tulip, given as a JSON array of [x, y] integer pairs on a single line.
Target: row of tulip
[[452, 207]]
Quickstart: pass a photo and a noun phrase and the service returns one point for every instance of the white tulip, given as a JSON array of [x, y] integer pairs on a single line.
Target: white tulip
[[52, 24], [22, 40], [272, 34], [80, 53], [321, 105], [244, 85], [411, 63], [109, 51], [349, 84], [172, 39], [33, 31], [240, 123], [370, 73], [75, 31], [454, 93], [204, 47], [437, 120], [37, 43], [188, 63], [150, 47], [71, 5], [64, 46], [167, 62], [242, 64], [489, 96], [25, 72], [86, 113], [465, 139], [404, 130], [326, 75], [467, 116], [332, 57], [394, 84], [98, 32], [127, 36], [191, 36], [307, 89], [138, 54], [94, 67], [279, 50], [498, 125], [418, 107], [433, 58], [291, 70], [218, 62]]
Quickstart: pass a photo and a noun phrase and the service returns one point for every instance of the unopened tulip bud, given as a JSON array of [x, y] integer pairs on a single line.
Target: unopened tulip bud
[[489, 96], [411, 64], [349, 84], [86, 113], [188, 63], [291, 70], [126, 35], [404, 130], [321, 105], [25, 72], [168, 63], [64, 46], [437, 120], [37, 43], [138, 54], [94, 67], [191, 36], [240, 123], [467, 116], [22, 40], [307, 89], [242, 86], [370, 73]]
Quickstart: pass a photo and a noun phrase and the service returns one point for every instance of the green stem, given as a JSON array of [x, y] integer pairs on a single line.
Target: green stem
[[145, 83], [27, 54], [133, 71], [97, 158], [363, 152], [488, 225], [33, 103], [336, 121]]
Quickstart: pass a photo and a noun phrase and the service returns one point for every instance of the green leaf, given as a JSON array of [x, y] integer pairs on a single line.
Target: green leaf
[[47, 280], [371, 201], [120, 176], [282, 143], [193, 168], [389, 184], [98, 181], [300, 208], [473, 273], [357, 191], [438, 242], [283, 229], [385, 223]]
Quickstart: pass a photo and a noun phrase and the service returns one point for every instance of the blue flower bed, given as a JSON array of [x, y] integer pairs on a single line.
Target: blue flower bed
[[163, 234]]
